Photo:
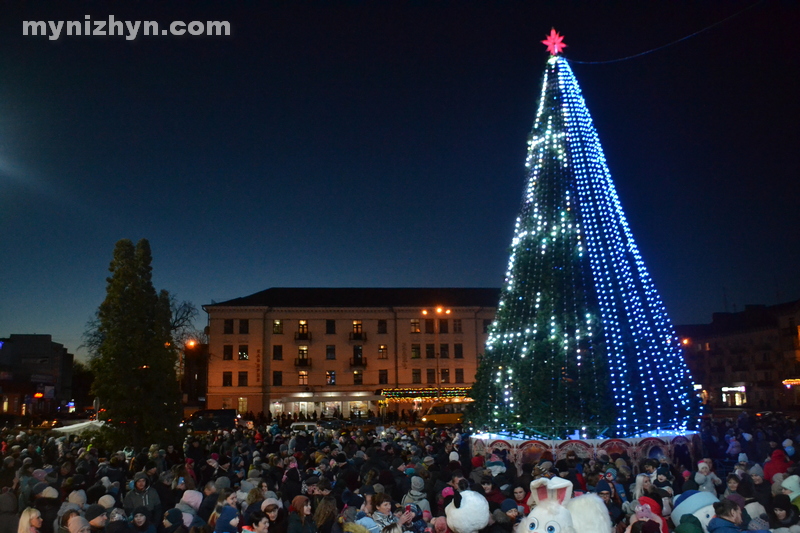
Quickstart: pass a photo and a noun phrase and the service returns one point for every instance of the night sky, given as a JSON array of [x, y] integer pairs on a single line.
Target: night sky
[[382, 143]]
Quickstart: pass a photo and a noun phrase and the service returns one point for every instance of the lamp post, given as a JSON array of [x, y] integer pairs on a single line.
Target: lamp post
[[437, 313]]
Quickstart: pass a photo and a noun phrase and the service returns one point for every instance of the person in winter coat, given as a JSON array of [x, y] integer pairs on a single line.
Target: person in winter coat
[[173, 522], [655, 509], [778, 464], [783, 513], [30, 521], [300, 520], [142, 495], [728, 518], [228, 520], [521, 495], [259, 523], [140, 523], [706, 480], [48, 504], [188, 506], [8, 513], [417, 494]]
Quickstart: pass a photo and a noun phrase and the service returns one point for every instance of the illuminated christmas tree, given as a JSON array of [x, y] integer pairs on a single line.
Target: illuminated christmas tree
[[581, 341]]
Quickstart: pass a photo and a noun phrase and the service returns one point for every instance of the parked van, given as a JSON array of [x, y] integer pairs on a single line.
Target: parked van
[[442, 413], [211, 420], [308, 427]]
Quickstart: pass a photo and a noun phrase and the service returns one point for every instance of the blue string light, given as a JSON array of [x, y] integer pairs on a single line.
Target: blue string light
[[580, 328]]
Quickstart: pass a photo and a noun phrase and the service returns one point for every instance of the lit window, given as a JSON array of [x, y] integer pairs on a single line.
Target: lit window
[[415, 351], [302, 377], [244, 352], [330, 377], [383, 351], [357, 325], [415, 325], [277, 327], [358, 377], [302, 352], [302, 326]]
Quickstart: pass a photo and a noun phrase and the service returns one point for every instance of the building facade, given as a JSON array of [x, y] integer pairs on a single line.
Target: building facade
[[336, 351], [749, 359], [35, 375]]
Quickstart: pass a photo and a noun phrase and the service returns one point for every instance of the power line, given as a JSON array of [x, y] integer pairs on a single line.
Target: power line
[[668, 44]]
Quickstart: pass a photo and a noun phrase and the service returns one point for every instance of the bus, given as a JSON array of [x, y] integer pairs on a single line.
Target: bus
[[442, 413]]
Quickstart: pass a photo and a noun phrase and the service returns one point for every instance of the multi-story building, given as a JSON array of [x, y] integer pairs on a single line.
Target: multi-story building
[[35, 375], [747, 359], [344, 351]]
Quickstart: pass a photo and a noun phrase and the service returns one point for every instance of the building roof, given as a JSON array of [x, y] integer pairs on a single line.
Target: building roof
[[754, 317], [365, 297]]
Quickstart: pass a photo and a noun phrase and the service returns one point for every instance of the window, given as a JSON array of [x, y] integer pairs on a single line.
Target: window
[[444, 327], [277, 327], [456, 325], [330, 327], [244, 352], [302, 352], [458, 350], [277, 378], [486, 323], [415, 351], [330, 351], [383, 377], [445, 375], [459, 375], [429, 325], [243, 379], [330, 377], [227, 326], [227, 352], [227, 379], [244, 326], [243, 405], [416, 375], [302, 377], [358, 351], [382, 326], [430, 351], [431, 375], [444, 351], [302, 326], [357, 325], [277, 352], [415, 325], [358, 377], [383, 351]]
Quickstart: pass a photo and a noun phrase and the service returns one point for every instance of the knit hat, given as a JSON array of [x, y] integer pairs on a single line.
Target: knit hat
[[782, 501], [223, 482], [743, 458], [76, 523], [756, 470], [428, 460], [417, 484], [787, 442], [736, 498], [602, 486], [246, 486], [78, 497], [38, 488], [50, 492], [192, 498], [39, 474], [93, 511], [792, 484], [662, 471], [507, 505], [378, 488], [453, 456], [173, 516], [312, 480], [612, 472], [270, 501], [689, 502], [107, 501]]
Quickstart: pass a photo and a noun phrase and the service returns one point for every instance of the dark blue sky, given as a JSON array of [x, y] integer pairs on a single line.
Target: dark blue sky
[[382, 144]]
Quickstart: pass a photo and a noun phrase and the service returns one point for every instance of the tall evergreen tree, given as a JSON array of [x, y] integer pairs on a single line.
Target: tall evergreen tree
[[134, 358], [581, 340]]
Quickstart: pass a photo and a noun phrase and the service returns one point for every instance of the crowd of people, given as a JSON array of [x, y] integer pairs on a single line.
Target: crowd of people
[[401, 480]]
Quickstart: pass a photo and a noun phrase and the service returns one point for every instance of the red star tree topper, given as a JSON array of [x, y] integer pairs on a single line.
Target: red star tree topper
[[555, 42]]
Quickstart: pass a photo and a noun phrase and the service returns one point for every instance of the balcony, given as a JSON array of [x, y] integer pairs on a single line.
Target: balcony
[[358, 336], [358, 361], [302, 336], [302, 361]]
